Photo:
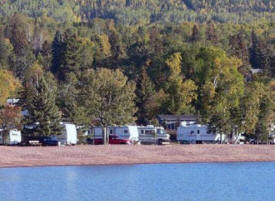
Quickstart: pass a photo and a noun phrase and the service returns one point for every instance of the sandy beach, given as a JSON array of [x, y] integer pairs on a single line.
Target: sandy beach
[[132, 154]]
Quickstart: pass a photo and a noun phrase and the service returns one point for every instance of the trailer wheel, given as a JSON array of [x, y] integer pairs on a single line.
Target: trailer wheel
[[160, 142]]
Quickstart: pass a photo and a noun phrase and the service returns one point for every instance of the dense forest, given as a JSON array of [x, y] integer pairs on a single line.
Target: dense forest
[[130, 12], [113, 62]]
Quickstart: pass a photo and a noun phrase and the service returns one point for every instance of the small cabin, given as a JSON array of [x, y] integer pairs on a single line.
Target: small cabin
[[171, 122]]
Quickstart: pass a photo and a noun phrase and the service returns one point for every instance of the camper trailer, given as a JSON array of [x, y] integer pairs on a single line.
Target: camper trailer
[[153, 135], [123, 135], [14, 137], [69, 134], [95, 136], [197, 134], [117, 135]]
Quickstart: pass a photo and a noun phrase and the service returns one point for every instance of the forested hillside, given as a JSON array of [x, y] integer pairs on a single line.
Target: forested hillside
[[129, 12], [119, 61]]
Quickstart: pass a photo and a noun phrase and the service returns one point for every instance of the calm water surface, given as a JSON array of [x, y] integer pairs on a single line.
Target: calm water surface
[[173, 182]]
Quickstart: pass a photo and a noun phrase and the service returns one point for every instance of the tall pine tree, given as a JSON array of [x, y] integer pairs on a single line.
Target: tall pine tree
[[39, 100]]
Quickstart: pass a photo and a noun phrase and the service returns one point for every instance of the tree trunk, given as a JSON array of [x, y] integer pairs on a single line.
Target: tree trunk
[[105, 135]]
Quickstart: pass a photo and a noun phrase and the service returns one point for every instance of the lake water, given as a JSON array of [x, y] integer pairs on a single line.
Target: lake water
[[167, 182]]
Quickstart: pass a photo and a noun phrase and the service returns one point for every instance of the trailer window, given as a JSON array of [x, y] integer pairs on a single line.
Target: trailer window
[[198, 131], [142, 131], [125, 131], [192, 132], [150, 132], [160, 131]]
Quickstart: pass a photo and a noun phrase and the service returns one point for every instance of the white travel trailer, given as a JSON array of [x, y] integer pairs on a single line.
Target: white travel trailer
[[153, 135], [14, 137], [197, 133], [123, 134], [69, 134], [117, 135]]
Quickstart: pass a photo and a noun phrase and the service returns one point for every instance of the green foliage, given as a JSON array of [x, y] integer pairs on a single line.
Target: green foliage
[[181, 93], [130, 12], [148, 100], [39, 99], [109, 97], [187, 56]]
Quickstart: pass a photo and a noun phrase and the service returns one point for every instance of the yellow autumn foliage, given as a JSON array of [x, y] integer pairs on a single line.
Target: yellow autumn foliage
[[8, 85]]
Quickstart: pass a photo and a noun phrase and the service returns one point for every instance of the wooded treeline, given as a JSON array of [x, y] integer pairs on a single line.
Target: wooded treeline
[[80, 61], [130, 12]]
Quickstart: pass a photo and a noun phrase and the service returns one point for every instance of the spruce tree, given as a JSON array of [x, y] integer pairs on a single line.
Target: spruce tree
[[211, 34], [239, 48], [195, 34], [43, 117], [72, 57], [146, 98], [58, 49], [259, 57]]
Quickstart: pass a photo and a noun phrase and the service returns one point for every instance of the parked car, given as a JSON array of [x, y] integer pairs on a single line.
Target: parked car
[[39, 141], [49, 141]]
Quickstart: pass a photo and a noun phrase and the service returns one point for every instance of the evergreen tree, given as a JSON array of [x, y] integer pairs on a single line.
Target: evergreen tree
[[58, 51], [69, 101], [39, 100], [259, 57], [210, 33], [71, 62], [148, 100], [239, 48], [195, 37], [45, 56]]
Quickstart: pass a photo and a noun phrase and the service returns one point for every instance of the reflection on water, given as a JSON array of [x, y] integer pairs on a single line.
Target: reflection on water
[[169, 182]]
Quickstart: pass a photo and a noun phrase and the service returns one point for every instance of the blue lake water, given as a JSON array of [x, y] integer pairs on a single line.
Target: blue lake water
[[165, 182]]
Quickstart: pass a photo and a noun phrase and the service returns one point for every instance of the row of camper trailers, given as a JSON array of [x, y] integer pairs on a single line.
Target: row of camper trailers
[[68, 136], [129, 134], [186, 134]]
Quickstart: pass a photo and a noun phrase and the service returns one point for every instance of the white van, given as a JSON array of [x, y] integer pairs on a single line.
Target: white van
[[153, 135], [69, 134], [197, 133]]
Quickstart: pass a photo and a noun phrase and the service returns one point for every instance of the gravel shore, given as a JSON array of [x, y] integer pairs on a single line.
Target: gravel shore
[[132, 154]]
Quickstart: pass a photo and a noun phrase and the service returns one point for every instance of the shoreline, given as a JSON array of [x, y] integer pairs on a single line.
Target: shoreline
[[132, 164], [105, 155]]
